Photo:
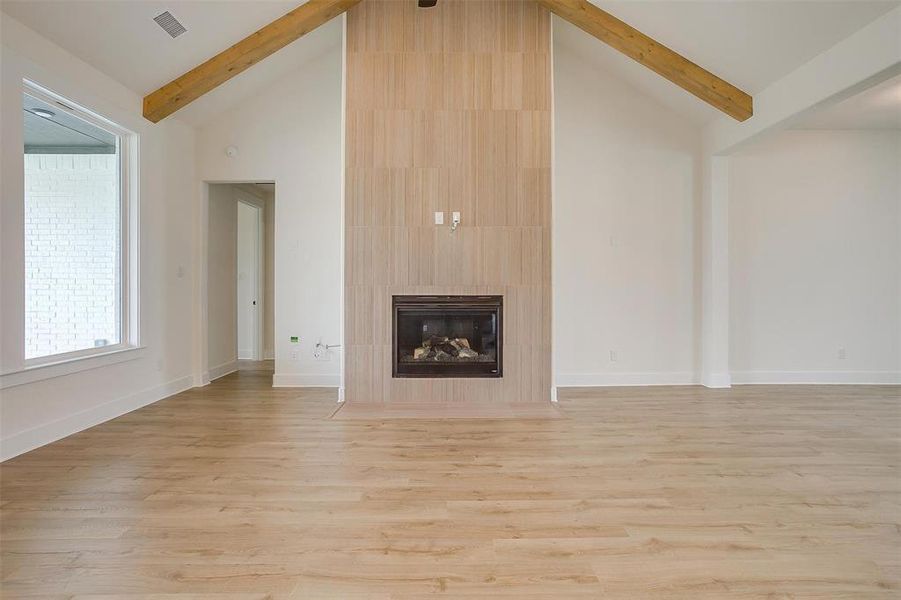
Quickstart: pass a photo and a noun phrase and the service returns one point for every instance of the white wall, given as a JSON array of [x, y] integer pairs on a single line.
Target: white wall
[[32, 414], [291, 134], [222, 333], [624, 254], [816, 257]]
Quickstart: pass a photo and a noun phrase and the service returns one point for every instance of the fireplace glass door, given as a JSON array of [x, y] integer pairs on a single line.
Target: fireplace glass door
[[447, 336]]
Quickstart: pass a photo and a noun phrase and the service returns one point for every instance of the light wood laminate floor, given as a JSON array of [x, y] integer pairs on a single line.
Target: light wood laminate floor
[[238, 491]]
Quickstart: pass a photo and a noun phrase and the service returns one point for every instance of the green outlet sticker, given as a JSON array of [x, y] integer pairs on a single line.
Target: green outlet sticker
[[294, 339]]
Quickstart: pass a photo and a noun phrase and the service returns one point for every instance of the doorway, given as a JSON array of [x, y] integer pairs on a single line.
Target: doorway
[[240, 251]]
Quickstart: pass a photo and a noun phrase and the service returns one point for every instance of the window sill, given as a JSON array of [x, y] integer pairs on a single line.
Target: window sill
[[70, 366]]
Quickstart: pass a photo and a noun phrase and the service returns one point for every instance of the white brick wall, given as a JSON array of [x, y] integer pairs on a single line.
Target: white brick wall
[[71, 252]]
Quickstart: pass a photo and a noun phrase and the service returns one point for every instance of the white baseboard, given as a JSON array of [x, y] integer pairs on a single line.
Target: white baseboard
[[221, 370], [716, 380], [817, 377], [725, 380], [305, 380], [625, 379], [50, 432]]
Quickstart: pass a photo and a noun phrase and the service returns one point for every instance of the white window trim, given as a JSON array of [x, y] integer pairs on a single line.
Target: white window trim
[[129, 346], [69, 366]]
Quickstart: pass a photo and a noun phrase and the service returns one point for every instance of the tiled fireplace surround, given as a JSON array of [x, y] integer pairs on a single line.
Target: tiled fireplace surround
[[448, 109]]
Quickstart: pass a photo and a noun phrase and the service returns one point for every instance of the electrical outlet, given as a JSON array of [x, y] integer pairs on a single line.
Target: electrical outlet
[[841, 354], [294, 356], [613, 356], [439, 218]]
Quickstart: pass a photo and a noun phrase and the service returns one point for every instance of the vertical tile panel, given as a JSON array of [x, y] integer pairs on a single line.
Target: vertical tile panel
[[448, 109]]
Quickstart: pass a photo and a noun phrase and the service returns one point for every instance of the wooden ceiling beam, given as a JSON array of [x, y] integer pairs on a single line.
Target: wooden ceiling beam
[[246, 53], [665, 62]]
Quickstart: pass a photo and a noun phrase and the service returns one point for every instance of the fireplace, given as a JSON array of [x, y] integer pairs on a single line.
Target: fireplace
[[447, 336]]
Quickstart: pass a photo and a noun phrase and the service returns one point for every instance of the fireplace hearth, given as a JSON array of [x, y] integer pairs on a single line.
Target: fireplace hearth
[[447, 336]]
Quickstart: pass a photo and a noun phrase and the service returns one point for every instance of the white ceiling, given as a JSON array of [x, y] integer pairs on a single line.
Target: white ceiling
[[121, 39], [876, 108], [750, 43]]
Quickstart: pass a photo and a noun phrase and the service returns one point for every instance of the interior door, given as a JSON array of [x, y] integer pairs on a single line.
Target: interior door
[[248, 284]]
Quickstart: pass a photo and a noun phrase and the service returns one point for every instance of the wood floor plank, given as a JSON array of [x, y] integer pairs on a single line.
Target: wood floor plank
[[240, 491]]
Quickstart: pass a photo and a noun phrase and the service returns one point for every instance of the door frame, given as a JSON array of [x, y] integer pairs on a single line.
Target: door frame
[[201, 264]]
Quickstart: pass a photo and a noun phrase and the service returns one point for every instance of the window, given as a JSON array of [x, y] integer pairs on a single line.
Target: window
[[77, 230]]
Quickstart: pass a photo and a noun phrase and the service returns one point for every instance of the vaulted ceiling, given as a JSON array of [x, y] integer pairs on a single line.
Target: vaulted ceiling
[[752, 44], [122, 40], [876, 108]]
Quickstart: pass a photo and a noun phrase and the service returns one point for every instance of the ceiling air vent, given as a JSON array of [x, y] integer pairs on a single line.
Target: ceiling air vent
[[170, 24]]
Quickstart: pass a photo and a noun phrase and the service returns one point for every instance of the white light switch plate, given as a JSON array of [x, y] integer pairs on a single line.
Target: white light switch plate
[[439, 218]]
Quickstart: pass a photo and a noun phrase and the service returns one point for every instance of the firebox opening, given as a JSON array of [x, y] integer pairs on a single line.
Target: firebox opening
[[447, 336]]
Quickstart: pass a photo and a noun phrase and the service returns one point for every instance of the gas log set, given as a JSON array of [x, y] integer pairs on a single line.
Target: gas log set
[[441, 349]]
